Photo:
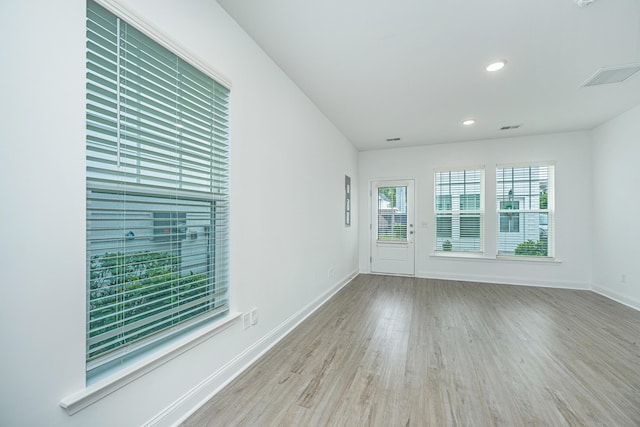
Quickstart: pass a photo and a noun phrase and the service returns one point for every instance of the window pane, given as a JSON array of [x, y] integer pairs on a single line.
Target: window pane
[[530, 240], [150, 257], [457, 192], [392, 213], [443, 202], [469, 202], [470, 225], [524, 206], [443, 225], [157, 192], [510, 222]]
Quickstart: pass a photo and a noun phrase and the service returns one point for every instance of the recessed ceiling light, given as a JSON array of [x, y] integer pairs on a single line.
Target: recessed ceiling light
[[496, 66], [468, 122]]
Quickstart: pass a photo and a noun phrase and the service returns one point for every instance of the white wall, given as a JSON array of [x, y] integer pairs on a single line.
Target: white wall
[[287, 179], [616, 208], [572, 154]]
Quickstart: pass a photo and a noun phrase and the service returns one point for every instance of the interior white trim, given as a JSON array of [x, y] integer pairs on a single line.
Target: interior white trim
[[191, 401], [91, 394], [507, 280], [622, 299], [479, 256], [163, 39]]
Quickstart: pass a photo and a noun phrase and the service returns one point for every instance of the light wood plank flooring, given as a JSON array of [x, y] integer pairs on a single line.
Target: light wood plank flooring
[[391, 351]]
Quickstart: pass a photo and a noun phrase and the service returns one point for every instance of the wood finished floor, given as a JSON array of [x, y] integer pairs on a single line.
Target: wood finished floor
[[391, 351]]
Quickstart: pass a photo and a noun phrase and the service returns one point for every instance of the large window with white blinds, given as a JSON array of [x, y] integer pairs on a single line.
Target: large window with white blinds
[[459, 210], [157, 158], [525, 207]]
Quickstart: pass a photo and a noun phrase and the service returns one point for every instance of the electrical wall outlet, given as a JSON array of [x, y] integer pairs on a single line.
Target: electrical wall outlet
[[246, 321], [254, 316]]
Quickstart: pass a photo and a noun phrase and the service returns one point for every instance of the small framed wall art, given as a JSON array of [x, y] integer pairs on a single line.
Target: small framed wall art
[[347, 201]]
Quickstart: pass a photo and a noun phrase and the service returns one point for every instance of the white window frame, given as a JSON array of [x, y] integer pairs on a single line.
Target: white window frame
[[131, 354], [457, 242], [529, 212]]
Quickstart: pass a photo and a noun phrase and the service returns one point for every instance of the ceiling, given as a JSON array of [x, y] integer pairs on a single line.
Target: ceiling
[[415, 69]]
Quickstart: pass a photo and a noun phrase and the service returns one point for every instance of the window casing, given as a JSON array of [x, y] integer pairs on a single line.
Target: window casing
[[157, 193], [459, 210], [525, 207]]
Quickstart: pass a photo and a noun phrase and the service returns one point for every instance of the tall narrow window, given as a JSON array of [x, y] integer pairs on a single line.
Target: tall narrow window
[[157, 193], [458, 210], [525, 210]]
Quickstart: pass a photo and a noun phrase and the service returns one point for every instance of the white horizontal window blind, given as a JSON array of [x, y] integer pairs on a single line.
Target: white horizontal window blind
[[392, 213], [459, 210], [525, 210], [157, 192]]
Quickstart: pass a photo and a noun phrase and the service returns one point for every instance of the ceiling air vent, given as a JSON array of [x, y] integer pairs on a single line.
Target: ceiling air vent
[[510, 127], [609, 75], [393, 139], [583, 3]]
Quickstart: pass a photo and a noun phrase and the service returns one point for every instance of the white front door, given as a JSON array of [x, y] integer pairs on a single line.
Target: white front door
[[392, 227]]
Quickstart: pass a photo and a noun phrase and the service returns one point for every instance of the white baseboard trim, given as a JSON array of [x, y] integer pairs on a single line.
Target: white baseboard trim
[[501, 280], [622, 299], [191, 401]]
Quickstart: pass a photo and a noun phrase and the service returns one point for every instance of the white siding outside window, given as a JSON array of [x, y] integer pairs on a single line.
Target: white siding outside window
[[525, 210]]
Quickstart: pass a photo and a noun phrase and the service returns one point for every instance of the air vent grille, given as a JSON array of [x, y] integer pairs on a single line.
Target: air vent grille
[[510, 127], [610, 75]]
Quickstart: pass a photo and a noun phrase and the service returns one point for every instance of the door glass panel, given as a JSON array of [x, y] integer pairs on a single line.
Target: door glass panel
[[392, 213]]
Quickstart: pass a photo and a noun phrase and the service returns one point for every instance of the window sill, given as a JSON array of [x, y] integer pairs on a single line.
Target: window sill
[[453, 254], [500, 258], [547, 260], [96, 391]]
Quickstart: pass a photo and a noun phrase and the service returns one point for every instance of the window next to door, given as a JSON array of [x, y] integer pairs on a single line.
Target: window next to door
[[525, 202], [459, 210]]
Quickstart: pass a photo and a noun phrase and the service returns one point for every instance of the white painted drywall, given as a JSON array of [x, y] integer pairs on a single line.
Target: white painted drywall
[[616, 208], [572, 154], [287, 181]]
